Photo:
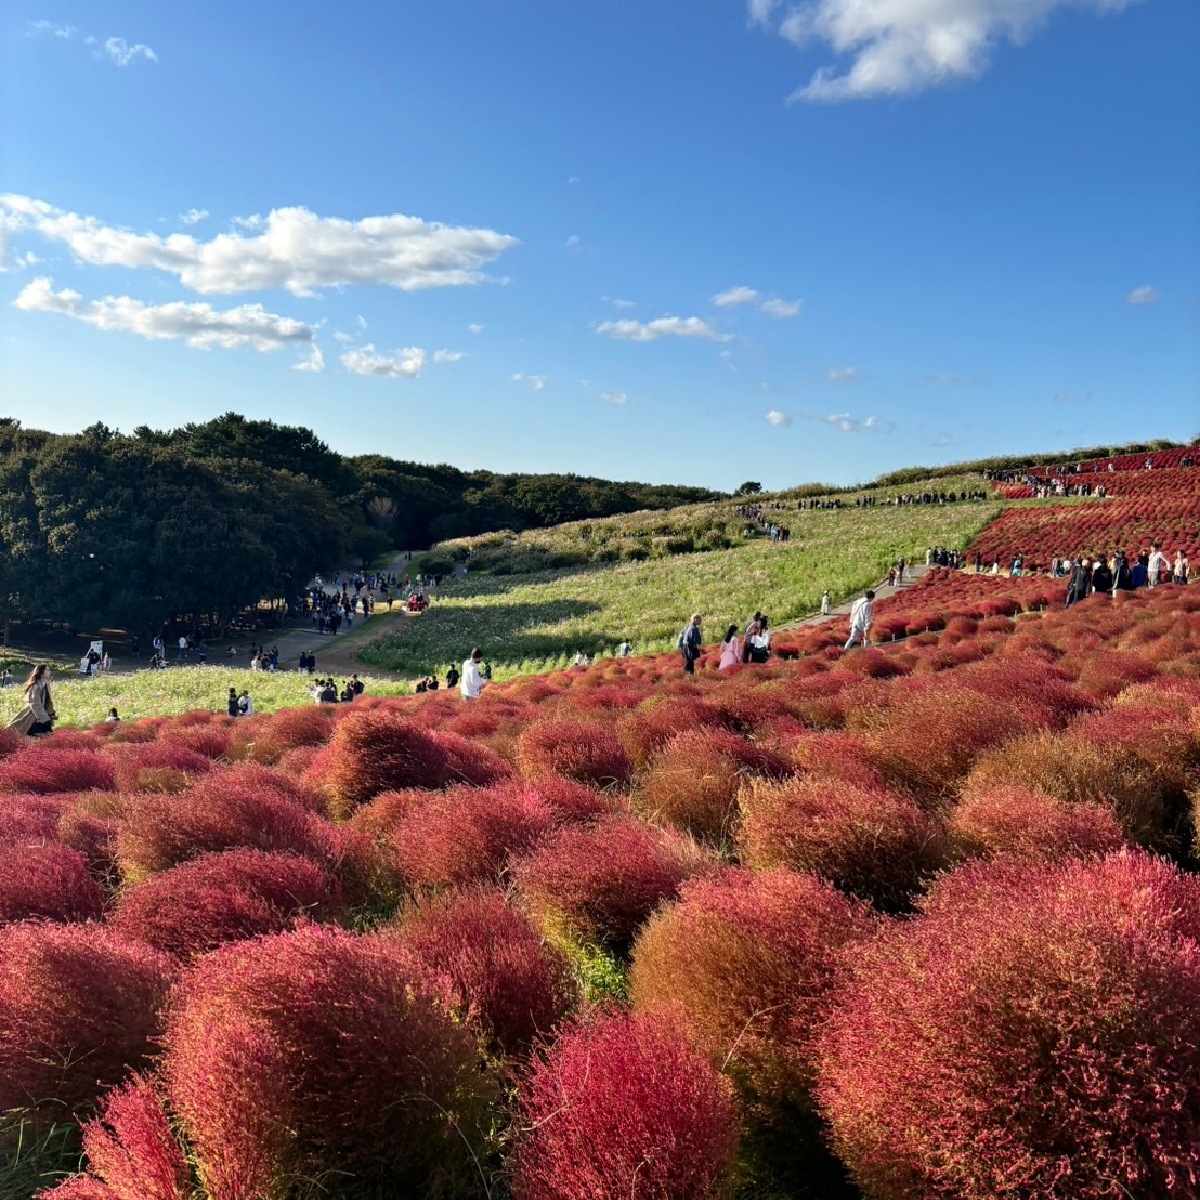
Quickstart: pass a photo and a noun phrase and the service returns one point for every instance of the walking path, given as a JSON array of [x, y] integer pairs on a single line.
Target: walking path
[[882, 592]]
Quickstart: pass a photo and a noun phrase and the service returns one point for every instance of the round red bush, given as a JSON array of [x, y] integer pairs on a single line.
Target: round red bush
[[605, 881], [466, 835], [584, 753], [870, 842], [316, 1052], [47, 880], [162, 766], [1025, 823], [79, 1005], [1035, 1033], [46, 767], [747, 966], [237, 807], [623, 1106], [470, 762], [497, 968], [225, 897]]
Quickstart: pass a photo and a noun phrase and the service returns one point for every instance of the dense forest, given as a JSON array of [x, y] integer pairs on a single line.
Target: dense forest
[[102, 528]]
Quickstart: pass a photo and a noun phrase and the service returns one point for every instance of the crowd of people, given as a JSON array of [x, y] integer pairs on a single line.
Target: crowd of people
[[325, 691], [1114, 573]]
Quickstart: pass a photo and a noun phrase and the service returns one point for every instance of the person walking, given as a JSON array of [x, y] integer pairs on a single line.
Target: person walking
[[862, 614], [1179, 568], [452, 678], [472, 682], [690, 642], [1122, 576], [825, 603], [1080, 581], [731, 649], [1157, 569], [1102, 576], [38, 715]]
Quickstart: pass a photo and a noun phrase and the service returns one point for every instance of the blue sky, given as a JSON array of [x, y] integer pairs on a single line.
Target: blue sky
[[699, 243]]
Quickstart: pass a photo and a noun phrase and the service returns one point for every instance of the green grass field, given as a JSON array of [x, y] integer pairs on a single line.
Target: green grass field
[[526, 623], [173, 691]]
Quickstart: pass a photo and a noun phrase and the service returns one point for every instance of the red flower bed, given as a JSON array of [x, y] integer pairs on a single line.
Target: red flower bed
[[47, 880], [1036, 1020], [49, 765], [584, 753], [623, 1106]]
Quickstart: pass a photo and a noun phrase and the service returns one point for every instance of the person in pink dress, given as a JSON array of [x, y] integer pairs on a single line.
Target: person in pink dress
[[731, 649]]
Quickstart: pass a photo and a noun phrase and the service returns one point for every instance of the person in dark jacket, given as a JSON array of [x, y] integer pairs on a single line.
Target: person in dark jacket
[[690, 642], [231, 705], [1080, 581], [1102, 576], [1122, 576]]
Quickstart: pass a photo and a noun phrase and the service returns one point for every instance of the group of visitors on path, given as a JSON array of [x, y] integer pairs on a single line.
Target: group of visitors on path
[[325, 691], [1087, 576]]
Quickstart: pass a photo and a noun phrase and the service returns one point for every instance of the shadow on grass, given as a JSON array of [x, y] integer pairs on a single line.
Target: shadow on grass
[[503, 631]]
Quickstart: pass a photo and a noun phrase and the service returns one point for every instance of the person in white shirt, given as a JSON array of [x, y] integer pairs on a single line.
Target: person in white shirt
[[1157, 569], [825, 603], [471, 682], [862, 613]]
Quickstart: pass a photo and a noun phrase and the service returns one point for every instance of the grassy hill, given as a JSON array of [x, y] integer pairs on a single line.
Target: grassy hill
[[529, 621]]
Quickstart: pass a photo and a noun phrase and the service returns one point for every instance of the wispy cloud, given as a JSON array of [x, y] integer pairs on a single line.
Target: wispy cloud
[[781, 308], [618, 302], [734, 296], [313, 363], [197, 325], [574, 242], [448, 356], [844, 374], [403, 364], [780, 420], [614, 397], [475, 328], [905, 46], [949, 379], [537, 382], [1142, 295], [846, 423], [194, 216], [117, 50], [649, 331], [290, 248]]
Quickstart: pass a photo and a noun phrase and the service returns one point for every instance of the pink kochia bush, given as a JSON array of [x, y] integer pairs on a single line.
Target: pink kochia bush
[[47, 766], [584, 753], [497, 968], [319, 1052], [622, 1106], [605, 881], [871, 842], [78, 1005], [1035, 1033], [131, 1151], [47, 880], [244, 806], [225, 897], [747, 965]]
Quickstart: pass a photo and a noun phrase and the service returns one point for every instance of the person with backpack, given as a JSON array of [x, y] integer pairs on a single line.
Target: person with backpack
[[690, 642]]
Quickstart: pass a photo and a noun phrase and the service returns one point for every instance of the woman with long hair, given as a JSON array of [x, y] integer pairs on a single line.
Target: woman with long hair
[[731, 649], [37, 697]]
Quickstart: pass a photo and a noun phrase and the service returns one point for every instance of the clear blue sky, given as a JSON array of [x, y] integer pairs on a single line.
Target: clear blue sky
[[673, 241]]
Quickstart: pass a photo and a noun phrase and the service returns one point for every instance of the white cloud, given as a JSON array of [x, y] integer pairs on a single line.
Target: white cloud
[[845, 422], [614, 397], [781, 308], [617, 302], [29, 259], [1142, 295], [735, 295], [292, 248], [253, 221], [198, 325], [779, 419], [360, 321], [314, 362], [342, 337], [844, 374], [59, 31], [649, 331], [404, 364], [573, 242], [537, 382], [448, 356], [903, 46], [473, 328], [194, 216], [121, 52]]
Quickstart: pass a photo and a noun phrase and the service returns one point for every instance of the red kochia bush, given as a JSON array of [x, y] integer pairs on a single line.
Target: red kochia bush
[[47, 880], [623, 1106], [78, 1005], [378, 751], [321, 1052], [162, 766], [1025, 823], [584, 753], [605, 881], [131, 1152], [224, 897], [871, 842], [747, 965], [465, 834], [497, 968], [45, 768], [1036, 1033], [470, 762], [245, 806]]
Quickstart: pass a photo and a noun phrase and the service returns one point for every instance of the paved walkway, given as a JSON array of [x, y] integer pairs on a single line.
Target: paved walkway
[[882, 591]]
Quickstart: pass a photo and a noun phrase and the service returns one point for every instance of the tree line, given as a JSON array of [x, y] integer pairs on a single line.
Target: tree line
[[103, 528]]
